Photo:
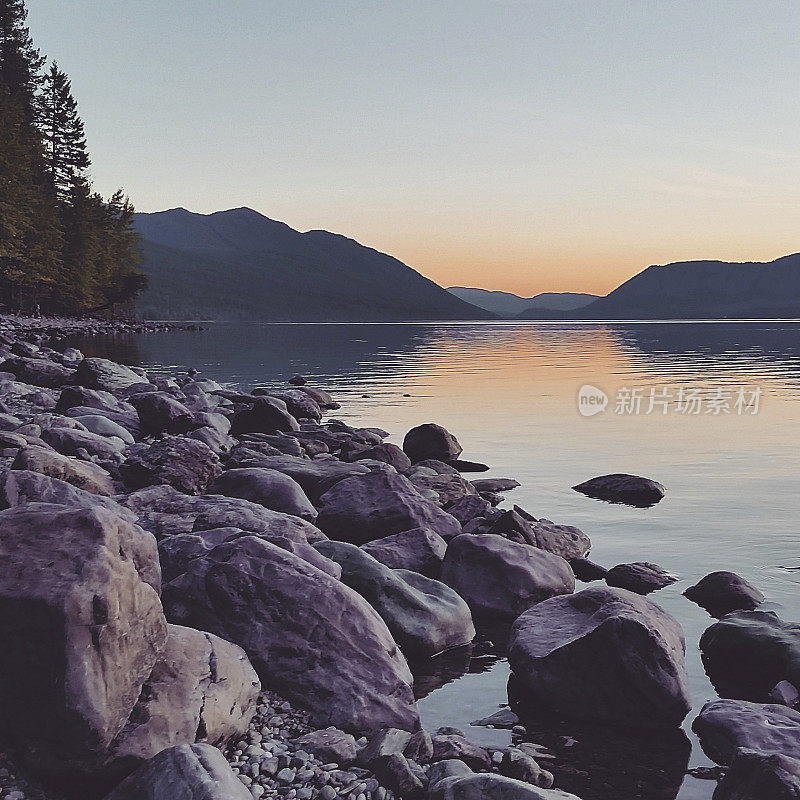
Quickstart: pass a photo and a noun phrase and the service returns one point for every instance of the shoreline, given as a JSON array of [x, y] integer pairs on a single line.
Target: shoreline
[[272, 495]]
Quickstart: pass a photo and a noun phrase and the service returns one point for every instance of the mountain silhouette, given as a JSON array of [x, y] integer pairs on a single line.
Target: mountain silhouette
[[506, 304], [699, 290], [241, 265]]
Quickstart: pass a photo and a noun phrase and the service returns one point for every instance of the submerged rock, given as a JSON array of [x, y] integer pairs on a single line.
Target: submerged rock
[[605, 655], [640, 577], [631, 490], [719, 593]]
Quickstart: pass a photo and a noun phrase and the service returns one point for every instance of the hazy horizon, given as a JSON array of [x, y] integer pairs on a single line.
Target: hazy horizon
[[522, 147]]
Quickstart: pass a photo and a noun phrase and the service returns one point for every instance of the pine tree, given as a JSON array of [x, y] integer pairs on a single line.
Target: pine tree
[[62, 129], [20, 61]]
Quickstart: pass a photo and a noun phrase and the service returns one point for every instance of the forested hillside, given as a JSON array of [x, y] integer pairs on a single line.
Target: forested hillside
[[63, 248]]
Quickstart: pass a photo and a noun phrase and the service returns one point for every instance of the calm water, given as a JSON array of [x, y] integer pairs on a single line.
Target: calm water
[[509, 393]]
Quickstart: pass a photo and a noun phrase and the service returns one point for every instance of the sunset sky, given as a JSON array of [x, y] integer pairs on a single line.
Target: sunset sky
[[510, 144]]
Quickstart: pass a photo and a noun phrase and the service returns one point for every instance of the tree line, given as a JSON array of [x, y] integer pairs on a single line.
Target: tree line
[[63, 248]]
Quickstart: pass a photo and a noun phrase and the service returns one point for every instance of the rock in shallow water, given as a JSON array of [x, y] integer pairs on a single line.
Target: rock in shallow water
[[719, 593], [605, 655], [759, 776], [631, 490], [640, 577], [431, 441], [310, 637]]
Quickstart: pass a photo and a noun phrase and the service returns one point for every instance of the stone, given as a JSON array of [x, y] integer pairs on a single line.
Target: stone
[[394, 772], [468, 466], [500, 579], [105, 426], [70, 441], [185, 772], [719, 593], [785, 693], [517, 525], [311, 638], [202, 688], [747, 653], [522, 767], [218, 443], [128, 420], [631, 490], [389, 454], [424, 616], [266, 415], [495, 484], [419, 550], [723, 726], [420, 747], [586, 570], [492, 787], [760, 776], [185, 464], [385, 742], [431, 441], [320, 396], [640, 577], [267, 487], [363, 508], [330, 744], [504, 718], [161, 413], [20, 486], [468, 508], [449, 768], [108, 376], [298, 403], [606, 655], [82, 474], [38, 372], [82, 625], [447, 746], [448, 489]]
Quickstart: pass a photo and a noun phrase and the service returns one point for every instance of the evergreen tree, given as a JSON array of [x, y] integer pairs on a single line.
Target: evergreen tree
[[62, 129], [20, 62]]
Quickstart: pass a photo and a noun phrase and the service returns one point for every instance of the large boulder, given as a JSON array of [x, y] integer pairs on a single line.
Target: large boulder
[[631, 490], [185, 464], [266, 415], [419, 550], [719, 593], [161, 413], [101, 401], [367, 507], [83, 474], [500, 579], [723, 726], [315, 476], [185, 772], [431, 441], [747, 653], [424, 616], [105, 375], [311, 638], [758, 776], [20, 486], [104, 426], [202, 688], [605, 655], [299, 404], [82, 627], [267, 487], [487, 786], [38, 372], [517, 525]]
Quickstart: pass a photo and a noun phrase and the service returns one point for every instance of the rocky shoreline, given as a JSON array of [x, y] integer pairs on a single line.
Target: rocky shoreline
[[222, 594]]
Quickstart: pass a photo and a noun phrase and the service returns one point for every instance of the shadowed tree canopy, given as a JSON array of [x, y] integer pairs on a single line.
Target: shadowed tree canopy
[[62, 246]]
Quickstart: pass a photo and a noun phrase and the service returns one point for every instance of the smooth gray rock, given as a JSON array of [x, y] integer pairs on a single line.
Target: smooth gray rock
[[368, 507], [301, 405], [606, 655], [424, 616], [219, 443], [500, 579], [266, 415], [185, 464], [631, 490], [720, 593], [83, 474], [69, 441], [760, 776], [495, 484], [159, 413], [487, 786], [104, 426], [747, 653], [431, 441], [419, 550], [82, 625], [108, 376], [267, 487], [389, 454], [38, 372], [185, 772], [453, 745], [640, 577], [310, 637], [723, 726]]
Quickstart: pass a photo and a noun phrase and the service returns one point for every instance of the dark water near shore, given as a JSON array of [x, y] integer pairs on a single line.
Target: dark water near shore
[[509, 393]]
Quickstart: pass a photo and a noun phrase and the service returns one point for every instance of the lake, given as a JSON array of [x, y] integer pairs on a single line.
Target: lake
[[711, 410]]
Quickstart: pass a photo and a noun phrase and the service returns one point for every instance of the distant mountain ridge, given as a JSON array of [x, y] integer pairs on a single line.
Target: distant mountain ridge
[[506, 304], [241, 265], [699, 290]]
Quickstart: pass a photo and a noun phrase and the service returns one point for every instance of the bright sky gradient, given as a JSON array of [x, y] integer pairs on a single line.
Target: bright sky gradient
[[510, 144]]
